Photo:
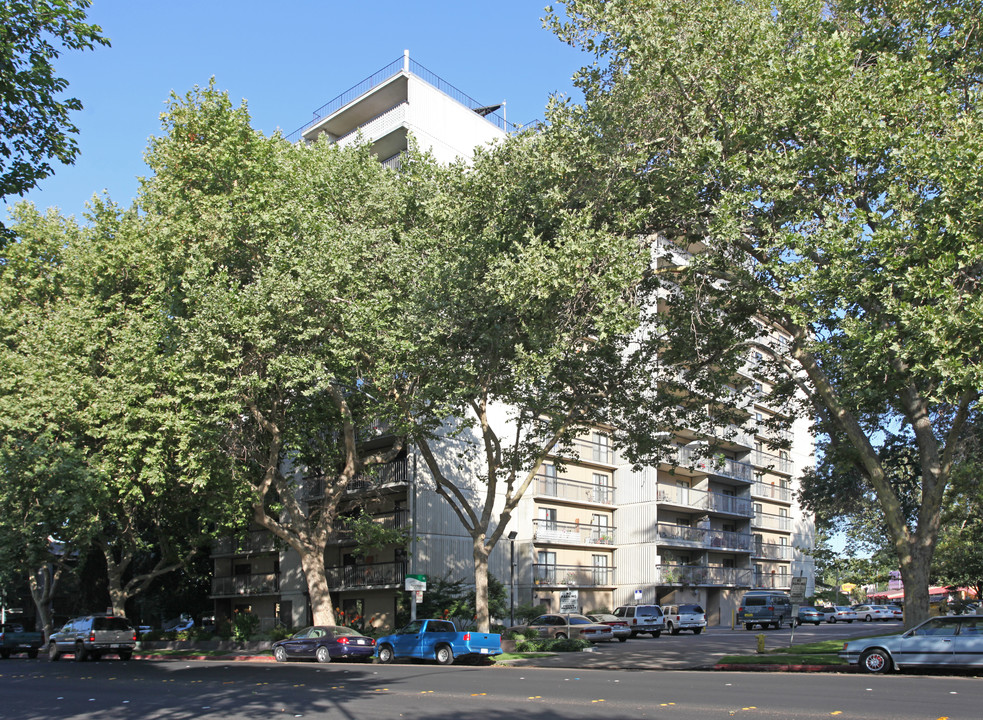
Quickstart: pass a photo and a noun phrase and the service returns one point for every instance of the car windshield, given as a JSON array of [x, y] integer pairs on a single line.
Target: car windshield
[[690, 609], [341, 630], [580, 620], [112, 623]]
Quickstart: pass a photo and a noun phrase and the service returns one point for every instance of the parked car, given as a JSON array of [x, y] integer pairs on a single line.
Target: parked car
[[767, 608], [325, 643], [93, 636], [684, 617], [437, 640], [568, 625], [948, 641], [839, 613], [642, 619], [808, 614], [869, 613], [618, 626], [15, 639], [896, 612]]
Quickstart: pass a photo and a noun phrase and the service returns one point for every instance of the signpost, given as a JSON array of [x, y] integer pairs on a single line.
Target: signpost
[[416, 584], [569, 601], [797, 596]]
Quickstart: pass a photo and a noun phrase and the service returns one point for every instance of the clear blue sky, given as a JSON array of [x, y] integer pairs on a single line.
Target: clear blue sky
[[285, 59]]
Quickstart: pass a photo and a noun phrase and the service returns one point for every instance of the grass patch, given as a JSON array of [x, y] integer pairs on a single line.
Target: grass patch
[[521, 656], [814, 653]]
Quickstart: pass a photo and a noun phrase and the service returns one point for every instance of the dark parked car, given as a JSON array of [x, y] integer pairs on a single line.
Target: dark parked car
[[950, 641], [325, 643]]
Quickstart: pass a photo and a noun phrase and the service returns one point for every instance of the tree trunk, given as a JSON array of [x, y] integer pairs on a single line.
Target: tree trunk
[[480, 554], [117, 595], [915, 568], [312, 562], [42, 584]]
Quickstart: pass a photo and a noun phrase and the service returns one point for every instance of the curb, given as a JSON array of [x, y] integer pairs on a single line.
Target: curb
[[234, 658], [762, 667]]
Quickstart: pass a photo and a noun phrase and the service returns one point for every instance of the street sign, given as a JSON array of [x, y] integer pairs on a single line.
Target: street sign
[[798, 593], [638, 596], [569, 601], [416, 582]]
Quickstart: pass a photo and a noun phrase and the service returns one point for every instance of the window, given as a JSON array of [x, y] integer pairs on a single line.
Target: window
[[602, 488], [549, 485], [600, 569], [546, 567], [600, 529], [547, 519], [602, 448]]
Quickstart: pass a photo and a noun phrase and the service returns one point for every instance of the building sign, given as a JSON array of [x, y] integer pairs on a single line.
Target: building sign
[[569, 601], [416, 582]]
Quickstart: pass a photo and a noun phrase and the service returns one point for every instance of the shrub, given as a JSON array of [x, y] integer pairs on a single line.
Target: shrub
[[244, 625], [280, 632]]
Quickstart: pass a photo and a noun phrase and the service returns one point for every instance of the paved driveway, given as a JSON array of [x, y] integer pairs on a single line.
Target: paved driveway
[[688, 651]]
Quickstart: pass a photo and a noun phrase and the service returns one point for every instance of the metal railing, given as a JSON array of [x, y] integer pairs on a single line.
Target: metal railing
[[379, 77], [777, 463], [703, 500], [771, 522], [587, 451], [243, 585], [552, 486], [715, 464], [254, 541], [572, 575], [772, 551], [551, 531], [377, 126], [723, 540], [342, 577], [395, 520], [771, 581], [391, 473], [715, 575], [771, 491]]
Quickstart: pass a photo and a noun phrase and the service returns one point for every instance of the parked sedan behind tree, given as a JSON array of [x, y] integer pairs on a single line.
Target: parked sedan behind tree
[[567, 625], [325, 643]]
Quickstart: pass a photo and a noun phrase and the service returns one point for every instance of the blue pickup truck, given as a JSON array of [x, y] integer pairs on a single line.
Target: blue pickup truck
[[437, 640]]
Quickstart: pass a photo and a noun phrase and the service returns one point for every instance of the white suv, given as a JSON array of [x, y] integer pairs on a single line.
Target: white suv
[[684, 617], [642, 618]]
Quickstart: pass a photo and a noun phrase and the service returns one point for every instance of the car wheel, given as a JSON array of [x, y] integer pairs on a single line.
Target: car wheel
[[80, 654], [697, 631], [279, 654], [443, 655], [94, 655], [634, 634], [832, 620], [672, 629], [125, 655], [560, 636], [53, 653], [796, 622], [322, 655], [385, 654], [657, 633], [749, 626], [622, 639], [33, 654], [875, 660], [849, 621], [5, 654], [816, 623], [868, 618]]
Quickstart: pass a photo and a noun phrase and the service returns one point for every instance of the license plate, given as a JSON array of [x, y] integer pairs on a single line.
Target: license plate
[[115, 645], [484, 651]]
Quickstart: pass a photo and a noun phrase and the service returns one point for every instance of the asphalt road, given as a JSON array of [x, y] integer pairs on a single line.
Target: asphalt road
[[179, 690]]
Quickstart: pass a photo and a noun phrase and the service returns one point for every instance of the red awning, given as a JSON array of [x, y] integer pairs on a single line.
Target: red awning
[[935, 590]]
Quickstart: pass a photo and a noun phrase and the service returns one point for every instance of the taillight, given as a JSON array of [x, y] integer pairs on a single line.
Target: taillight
[[92, 636], [771, 608], [467, 637], [343, 640], [740, 609], [134, 636]]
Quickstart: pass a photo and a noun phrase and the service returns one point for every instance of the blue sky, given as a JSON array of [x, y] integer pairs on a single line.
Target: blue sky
[[285, 59]]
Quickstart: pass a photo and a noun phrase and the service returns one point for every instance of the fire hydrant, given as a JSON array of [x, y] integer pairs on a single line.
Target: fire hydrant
[[761, 642]]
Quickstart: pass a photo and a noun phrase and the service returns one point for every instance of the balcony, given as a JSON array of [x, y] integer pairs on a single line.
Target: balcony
[[550, 532], [563, 576], [252, 543], [772, 580], [719, 465], [772, 551], [774, 463], [573, 491], [703, 538], [390, 474], [704, 501], [765, 521], [378, 127], [246, 585], [588, 451], [395, 520], [704, 575], [366, 575], [770, 491]]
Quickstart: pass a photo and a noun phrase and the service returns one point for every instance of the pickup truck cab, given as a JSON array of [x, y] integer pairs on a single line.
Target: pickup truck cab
[[14, 640], [437, 640]]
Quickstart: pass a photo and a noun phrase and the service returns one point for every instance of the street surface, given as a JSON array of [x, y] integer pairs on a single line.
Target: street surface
[[179, 690]]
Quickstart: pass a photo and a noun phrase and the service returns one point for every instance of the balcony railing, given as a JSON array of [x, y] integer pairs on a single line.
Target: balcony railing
[[344, 577], [587, 451], [391, 473], [723, 540], [771, 581], [771, 522], [703, 500], [256, 541], [777, 463], [573, 491], [565, 533], [715, 465], [246, 585], [712, 575], [772, 551], [770, 491], [572, 575], [395, 520], [379, 126]]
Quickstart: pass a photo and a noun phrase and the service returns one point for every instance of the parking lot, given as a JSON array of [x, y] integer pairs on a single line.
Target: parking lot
[[687, 651]]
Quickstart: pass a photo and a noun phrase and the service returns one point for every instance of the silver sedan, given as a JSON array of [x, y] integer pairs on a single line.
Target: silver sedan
[[950, 641]]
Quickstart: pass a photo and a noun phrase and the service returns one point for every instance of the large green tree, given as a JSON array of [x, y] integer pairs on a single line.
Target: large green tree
[[820, 160], [35, 119]]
